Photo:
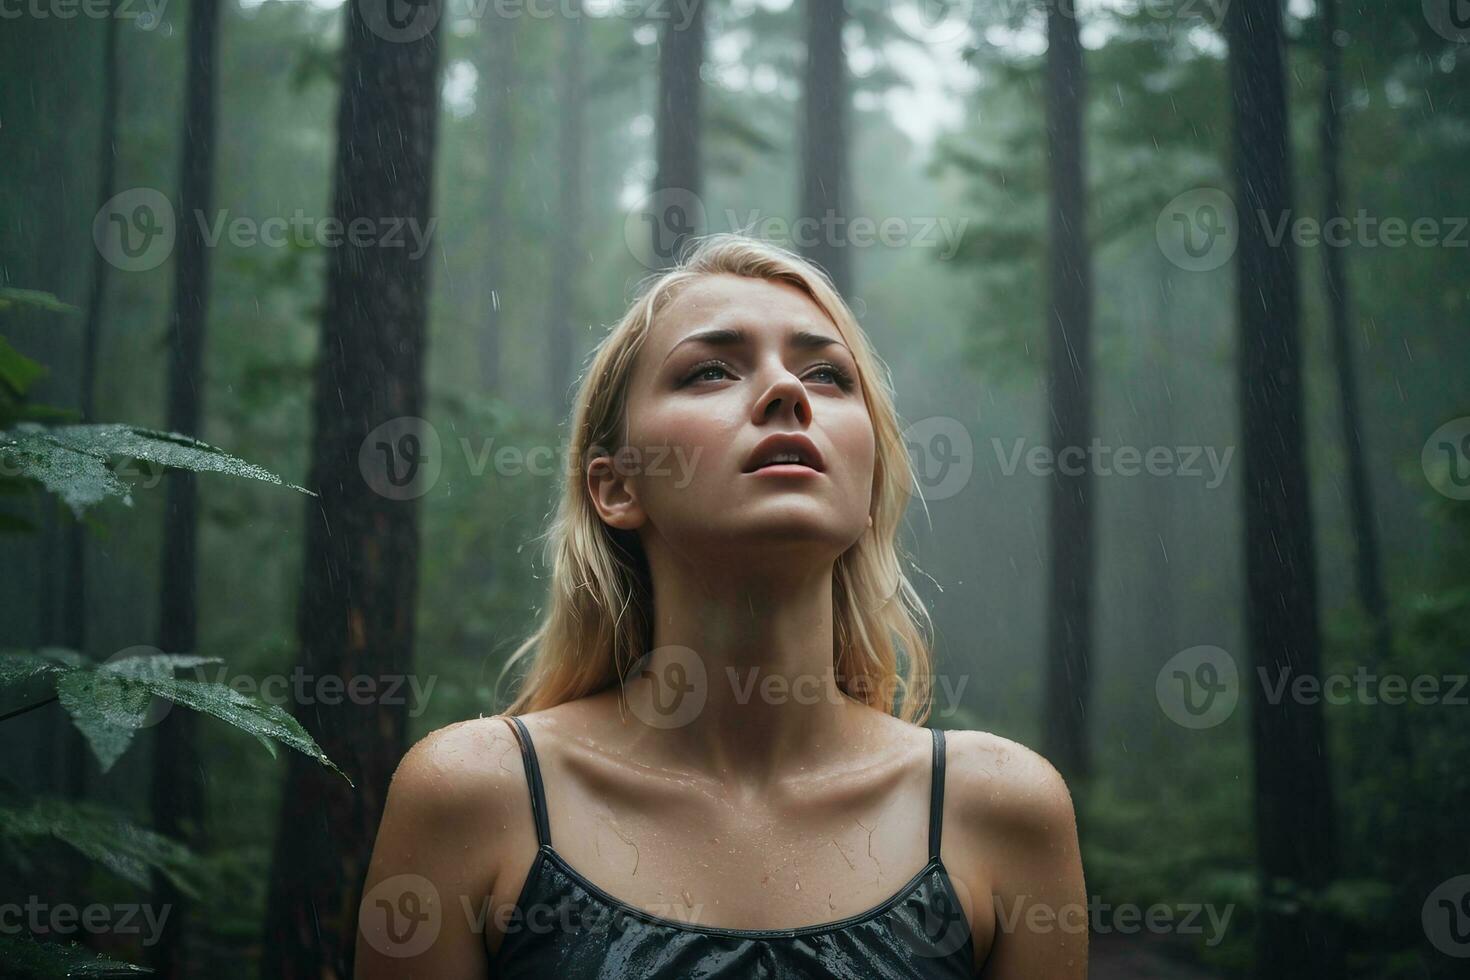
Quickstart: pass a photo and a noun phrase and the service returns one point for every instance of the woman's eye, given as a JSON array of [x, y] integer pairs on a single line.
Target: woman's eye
[[698, 374], [704, 372], [839, 376]]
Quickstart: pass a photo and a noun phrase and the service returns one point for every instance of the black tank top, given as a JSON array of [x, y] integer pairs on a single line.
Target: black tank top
[[566, 927]]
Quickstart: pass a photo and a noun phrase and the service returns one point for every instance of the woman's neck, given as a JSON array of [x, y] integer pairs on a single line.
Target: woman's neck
[[739, 678]]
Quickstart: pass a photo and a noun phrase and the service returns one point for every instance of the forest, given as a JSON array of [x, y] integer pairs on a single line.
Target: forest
[[1175, 296]]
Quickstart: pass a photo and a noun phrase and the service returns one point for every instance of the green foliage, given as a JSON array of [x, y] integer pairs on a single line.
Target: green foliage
[[11, 298], [109, 702], [25, 958], [17, 372], [76, 461], [101, 834]]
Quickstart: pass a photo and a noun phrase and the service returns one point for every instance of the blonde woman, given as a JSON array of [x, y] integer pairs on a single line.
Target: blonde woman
[[715, 765]]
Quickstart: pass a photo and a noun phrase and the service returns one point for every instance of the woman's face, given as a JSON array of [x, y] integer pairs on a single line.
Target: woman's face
[[727, 364]]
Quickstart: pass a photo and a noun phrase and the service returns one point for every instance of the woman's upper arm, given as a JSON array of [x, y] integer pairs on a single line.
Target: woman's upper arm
[[425, 897], [1034, 867]]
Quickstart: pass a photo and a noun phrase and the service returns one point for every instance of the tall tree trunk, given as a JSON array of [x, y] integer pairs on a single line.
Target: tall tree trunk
[[1295, 837], [1069, 388], [1367, 569], [499, 73], [565, 247], [679, 175], [356, 612], [178, 788], [824, 171]]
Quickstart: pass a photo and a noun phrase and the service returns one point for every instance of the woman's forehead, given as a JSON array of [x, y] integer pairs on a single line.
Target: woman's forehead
[[754, 307]]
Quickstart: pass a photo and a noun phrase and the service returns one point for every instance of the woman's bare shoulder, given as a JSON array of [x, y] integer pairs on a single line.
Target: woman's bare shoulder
[[454, 773], [1004, 785]]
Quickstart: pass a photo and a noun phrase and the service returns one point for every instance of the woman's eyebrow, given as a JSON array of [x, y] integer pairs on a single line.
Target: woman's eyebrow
[[735, 337]]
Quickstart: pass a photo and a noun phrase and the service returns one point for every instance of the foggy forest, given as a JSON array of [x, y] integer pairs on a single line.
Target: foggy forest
[[295, 297]]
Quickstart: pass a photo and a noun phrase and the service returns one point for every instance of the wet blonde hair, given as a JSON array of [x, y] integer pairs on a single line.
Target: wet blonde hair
[[598, 624]]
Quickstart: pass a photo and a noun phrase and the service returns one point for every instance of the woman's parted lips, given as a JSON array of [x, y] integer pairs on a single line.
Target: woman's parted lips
[[779, 443]]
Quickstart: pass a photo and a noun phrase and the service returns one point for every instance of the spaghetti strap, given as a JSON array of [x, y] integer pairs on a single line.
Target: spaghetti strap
[[936, 796], [533, 778]]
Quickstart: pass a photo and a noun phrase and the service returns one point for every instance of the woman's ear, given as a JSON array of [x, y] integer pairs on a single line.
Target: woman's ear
[[614, 494]]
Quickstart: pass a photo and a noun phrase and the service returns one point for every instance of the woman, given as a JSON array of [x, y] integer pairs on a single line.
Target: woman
[[708, 770]]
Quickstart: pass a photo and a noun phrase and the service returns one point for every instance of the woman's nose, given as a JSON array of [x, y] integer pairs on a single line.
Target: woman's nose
[[786, 396]]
